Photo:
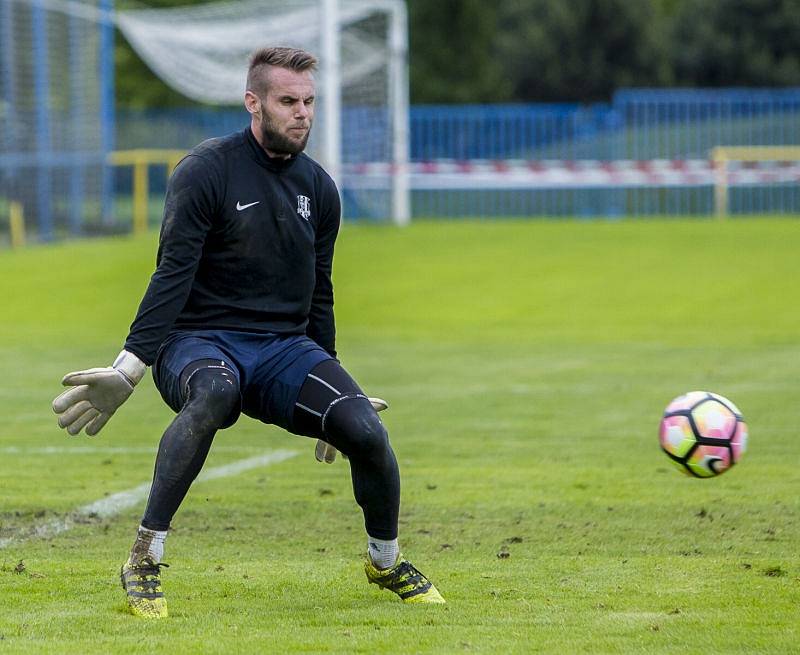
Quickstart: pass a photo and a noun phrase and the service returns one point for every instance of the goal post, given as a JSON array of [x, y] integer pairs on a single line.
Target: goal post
[[725, 157], [330, 46], [399, 99], [362, 92]]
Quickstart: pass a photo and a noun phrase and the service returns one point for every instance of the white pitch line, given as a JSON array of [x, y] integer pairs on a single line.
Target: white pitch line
[[122, 500], [108, 450]]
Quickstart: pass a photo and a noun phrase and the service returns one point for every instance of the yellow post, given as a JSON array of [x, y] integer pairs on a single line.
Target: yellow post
[[16, 224], [140, 196], [721, 155], [720, 160], [141, 159]]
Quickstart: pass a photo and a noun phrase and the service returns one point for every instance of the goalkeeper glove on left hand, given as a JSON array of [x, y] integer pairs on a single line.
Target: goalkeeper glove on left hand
[[97, 393], [324, 452]]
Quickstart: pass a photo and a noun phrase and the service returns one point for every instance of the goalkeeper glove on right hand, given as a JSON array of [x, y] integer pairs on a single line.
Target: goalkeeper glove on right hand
[[97, 393]]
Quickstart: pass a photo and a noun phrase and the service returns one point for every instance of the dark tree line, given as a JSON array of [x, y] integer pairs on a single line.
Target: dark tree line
[[582, 50], [479, 51]]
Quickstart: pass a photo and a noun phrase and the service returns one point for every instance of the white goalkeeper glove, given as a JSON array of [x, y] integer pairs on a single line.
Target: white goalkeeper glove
[[97, 393], [324, 452]]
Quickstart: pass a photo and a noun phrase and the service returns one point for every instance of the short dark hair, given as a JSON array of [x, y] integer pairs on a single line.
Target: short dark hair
[[283, 57]]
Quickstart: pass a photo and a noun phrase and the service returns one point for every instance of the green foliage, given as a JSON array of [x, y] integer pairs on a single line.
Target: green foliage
[[451, 58], [527, 364], [472, 51], [738, 43], [581, 51], [136, 86]]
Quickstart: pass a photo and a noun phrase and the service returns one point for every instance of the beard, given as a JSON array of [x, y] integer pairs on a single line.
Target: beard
[[279, 143]]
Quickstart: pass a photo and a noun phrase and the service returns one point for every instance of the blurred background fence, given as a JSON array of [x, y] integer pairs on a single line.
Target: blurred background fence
[[648, 152], [76, 157]]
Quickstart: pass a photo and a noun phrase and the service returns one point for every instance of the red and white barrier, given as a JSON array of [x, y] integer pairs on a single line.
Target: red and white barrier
[[554, 174]]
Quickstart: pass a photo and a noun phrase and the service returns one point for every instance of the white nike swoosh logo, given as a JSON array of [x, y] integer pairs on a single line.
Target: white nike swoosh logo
[[240, 206]]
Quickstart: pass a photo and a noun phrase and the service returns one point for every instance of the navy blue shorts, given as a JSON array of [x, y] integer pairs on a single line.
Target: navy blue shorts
[[270, 368]]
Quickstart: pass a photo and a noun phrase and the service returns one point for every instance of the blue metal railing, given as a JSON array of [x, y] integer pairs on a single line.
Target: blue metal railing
[[638, 124], [683, 123], [551, 131]]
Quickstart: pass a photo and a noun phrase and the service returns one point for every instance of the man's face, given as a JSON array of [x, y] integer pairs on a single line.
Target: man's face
[[283, 123]]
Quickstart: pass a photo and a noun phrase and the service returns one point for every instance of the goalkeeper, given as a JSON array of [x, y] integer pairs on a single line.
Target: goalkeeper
[[238, 317]]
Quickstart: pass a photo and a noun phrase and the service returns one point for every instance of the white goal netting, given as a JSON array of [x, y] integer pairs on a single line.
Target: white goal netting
[[57, 95], [56, 114], [362, 100]]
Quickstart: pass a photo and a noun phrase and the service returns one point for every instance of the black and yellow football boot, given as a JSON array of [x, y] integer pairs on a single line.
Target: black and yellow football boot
[[405, 580], [141, 580]]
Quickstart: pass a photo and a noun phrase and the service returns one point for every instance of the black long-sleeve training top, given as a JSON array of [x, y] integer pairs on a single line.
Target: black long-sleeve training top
[[246, 244]]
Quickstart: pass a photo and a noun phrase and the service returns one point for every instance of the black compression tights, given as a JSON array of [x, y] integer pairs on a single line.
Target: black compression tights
[[331, 406], [212, 397], [351, 426]]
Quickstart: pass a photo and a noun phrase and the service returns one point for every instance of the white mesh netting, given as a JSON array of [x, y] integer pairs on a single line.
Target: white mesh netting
[[57, 109], [52, 141], [203, 50]]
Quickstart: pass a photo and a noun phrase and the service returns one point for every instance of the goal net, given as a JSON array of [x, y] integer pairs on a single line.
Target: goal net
[[57, 106], [362, 98], [56, 112]]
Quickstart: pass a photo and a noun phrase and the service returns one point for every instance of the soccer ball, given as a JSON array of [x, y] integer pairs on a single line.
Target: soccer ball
[[703, 433]]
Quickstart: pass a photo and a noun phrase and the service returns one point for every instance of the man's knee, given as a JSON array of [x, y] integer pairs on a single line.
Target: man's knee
[[356, 430], [212, 396]]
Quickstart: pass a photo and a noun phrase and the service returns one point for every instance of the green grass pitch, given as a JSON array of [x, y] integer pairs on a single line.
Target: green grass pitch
[[527, 364]]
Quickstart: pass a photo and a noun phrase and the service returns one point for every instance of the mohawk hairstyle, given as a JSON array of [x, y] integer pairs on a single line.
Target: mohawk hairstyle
[[281, 57]]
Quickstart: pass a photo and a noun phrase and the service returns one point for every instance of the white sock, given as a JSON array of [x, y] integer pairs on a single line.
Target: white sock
[[382, 553], [149, 543]]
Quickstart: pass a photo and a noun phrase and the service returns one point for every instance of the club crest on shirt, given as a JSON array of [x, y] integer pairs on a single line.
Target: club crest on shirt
[[304, 206]]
